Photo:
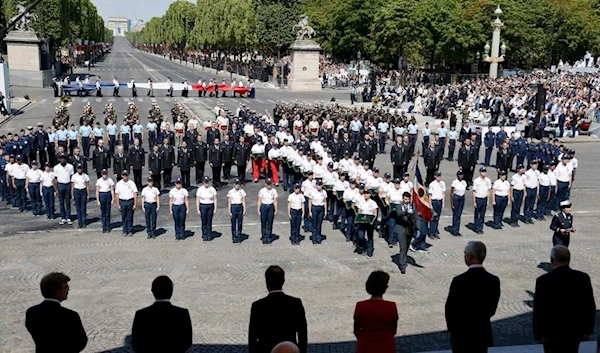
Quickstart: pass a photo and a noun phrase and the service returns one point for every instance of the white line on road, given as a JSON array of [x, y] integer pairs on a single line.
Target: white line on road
[[43, 101], [56, 101], [140, 99], [259, 101], [84, 100], [99, 100], [271, 101]]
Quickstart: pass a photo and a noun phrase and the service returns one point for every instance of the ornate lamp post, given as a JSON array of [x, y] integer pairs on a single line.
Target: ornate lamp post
[[358, 55], [496, 56]]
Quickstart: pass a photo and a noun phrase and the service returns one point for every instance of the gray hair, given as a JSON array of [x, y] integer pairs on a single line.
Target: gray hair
[[477, 250], [560, 253]]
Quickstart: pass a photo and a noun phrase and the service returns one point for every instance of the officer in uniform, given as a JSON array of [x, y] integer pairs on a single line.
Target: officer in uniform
[[500, 191], [40, 144], [317, 205], [267, 210], [458, 189], [179, 206], [481, 191], [227, 147], [467, 160], [34, 176], [241, 154], [503, 158], [200, 150], [120, 162], [431, 158], [517, 195], [562, 225], [155, 165], [397, 155], [126, 194], [151, 206], [295, 212], [531, 190], [184, 161], [489, 142], [237, 209], [137, 161], [215, 160], [105, 194], [168, 161]]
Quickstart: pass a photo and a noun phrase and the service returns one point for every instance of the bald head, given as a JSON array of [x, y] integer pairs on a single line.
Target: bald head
[[285, 347], [560, 255]]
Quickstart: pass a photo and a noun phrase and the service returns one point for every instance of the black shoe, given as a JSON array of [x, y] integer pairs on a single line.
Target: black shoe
[[479, 232], [529, 221], [458, 234], [84, 225], [403, 271], [149, 236], [437, 236]]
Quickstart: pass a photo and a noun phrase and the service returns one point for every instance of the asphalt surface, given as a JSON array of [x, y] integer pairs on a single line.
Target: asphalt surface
[[217, 281]]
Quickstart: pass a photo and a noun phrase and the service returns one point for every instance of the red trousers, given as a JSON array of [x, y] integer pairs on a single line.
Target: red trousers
[[274, 166], [258, 165]]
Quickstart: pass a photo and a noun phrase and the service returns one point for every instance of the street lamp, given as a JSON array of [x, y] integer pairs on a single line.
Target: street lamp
[[477, 57], [497, 53], [358, 55]]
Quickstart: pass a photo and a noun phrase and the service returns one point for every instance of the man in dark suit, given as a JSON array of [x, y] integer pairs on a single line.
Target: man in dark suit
[[215, 159], [562, 225], [563, 306], [471, 303], [137, 161], [405, 229], [276, 318], [52, 327], [162, 327]]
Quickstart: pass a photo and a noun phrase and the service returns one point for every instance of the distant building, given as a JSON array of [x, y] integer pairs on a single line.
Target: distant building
[[118, 25], [137, 25]]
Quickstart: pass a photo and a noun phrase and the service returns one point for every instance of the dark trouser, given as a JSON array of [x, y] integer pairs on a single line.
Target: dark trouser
[[480, 207], [127, 215], [392, 237], [412, 140], [488, 156], [451, 148], [151, 139], [81, 205], [52, 154], [99, 92], [468, 171], [561, 193], [530, 197], [350, 228], [137, 178], [49, 200], [116, 92], [562, 240], [72, 146], [179, 213], [216, 175], [339, 214], [442, 148], [425, 142], [199, 172], [12, 193], [551, 206], [266, 222], [185, 178], [515, 209], [318, 212], [307, 218], [543, 201], [36, 198], [112, 140], [419, 241], [105, 198], [138, 136], [167, 176], [296, 221], [241, 173], [433, 224], [429, 177], [397, 171], [237, 217], [85, 145], [206, 215], [227, 170], [501, 203], [459, 203], [150, 214], [562, 347], [382, 140], [365, 237], [64, 200], [404, 242], [125, 141]]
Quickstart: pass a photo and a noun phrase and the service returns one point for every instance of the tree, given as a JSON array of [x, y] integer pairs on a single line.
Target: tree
[[275, 22], [178, 22]]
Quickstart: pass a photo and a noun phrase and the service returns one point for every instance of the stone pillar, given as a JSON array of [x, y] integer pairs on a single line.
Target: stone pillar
[[24, 60], [495, 51], [304, 73]]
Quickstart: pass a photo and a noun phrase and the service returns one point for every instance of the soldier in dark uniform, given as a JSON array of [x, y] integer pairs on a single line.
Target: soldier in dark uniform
[[521, 148], [184, 161], [100, 158], [364, 149], [476, 143], [40, 145], [212, 134], [345, 145], [137, 161], [489, 142], [241, 153], [27, 145], [120, 162], [200, 150], [190, 137], [168, 161], [467, 161], [431, 158], [227, 157], [215, 159], [397, 156], [562, 225], [155, 165], [374, 147], [77, 159], [503, 159]]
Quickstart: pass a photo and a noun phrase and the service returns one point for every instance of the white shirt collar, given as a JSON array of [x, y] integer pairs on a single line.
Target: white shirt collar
[[276, 291], [162, 301], [52, 300], [476, 266]]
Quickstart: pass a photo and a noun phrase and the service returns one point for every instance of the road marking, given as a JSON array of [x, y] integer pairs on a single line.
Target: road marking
[[167, 99], [84, 100], [259, 101], [43, 101], [56, 101], [271, 101], [140, 99], [111, 100], [99, 100]]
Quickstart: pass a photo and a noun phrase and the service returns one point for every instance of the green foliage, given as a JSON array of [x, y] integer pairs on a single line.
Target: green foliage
[[275, 24]]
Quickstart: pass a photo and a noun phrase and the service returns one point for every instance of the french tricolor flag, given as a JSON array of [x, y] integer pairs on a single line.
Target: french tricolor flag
[[420, 197]]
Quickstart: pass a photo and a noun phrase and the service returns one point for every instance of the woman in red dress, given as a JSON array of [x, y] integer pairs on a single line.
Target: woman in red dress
[[376, 320]]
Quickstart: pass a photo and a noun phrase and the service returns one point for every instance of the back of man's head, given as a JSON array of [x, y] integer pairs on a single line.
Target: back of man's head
[[285, 347], [162, 288], [560, 254], [475, 252], [275, 277]]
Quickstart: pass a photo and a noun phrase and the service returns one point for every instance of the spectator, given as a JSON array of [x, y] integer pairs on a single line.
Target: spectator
[[563, 307], [276, 318], [471, 303], [286, 347], [52, 327], [375, 319], [161, 327]]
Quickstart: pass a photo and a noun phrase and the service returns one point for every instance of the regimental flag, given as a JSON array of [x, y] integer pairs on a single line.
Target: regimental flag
[[420, 197]]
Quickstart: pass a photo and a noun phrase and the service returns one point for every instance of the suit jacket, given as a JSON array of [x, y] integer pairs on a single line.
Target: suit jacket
[[406, 223], [563, 305], [161, 327], [120, 163], [136, 157], [471, 303], [274, 319], [561, 222], [55, 328]]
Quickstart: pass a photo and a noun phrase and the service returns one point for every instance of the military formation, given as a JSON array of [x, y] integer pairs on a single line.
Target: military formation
[[323, 155]]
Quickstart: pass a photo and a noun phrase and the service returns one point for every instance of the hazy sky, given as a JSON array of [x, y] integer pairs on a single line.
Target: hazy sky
[[140, 9]]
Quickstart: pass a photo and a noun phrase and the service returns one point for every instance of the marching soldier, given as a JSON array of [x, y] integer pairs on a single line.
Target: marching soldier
[[531, 190], [405, 227], [179, 205], [431, 158], [120, 162], [32, 186], [137, 161], [155, 165], [317, 206], [437, 193], [168, 161], [184, 161], [40, 144], [562, 225], [544, 193], [80, 191], [49, 190], [206, 205], [366, 206], [200, 150]]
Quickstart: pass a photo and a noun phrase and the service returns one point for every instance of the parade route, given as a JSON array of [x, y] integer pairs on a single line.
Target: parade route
[[218, 281]]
